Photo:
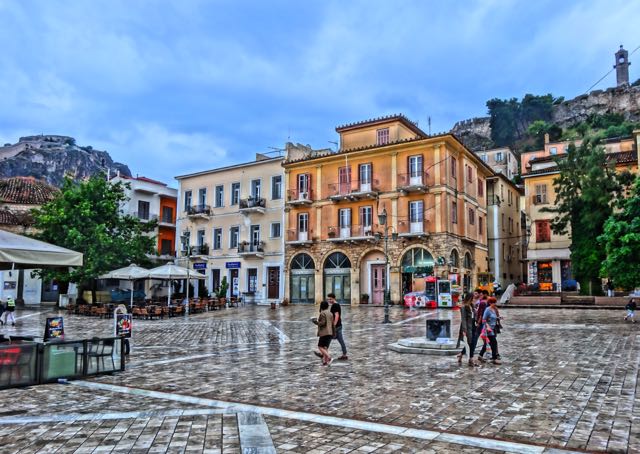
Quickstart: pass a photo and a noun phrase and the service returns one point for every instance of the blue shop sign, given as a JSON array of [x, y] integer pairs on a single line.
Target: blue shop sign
[[200, 266], [232, 265]]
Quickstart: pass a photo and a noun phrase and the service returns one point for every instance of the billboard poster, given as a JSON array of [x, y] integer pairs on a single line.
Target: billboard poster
[[54, 328], [123, 325]]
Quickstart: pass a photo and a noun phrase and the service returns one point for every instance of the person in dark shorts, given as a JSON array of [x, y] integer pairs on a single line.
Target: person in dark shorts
[[336, 311], [325, 332]]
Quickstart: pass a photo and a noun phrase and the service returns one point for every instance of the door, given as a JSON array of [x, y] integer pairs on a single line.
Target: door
[[415, 170], [345, 223], [234, 282], [378, 283], [303, 186], [303, 287], [416, 209], [340, 285], [365, 177], [273, 280], [344, 180], [303, 227]]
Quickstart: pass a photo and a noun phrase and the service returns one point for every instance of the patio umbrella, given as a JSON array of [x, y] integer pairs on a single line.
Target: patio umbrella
[[17, 251], [128, 273], [170, 272]]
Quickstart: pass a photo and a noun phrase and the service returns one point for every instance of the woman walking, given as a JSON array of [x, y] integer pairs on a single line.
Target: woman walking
[[490, 320], [325, 332], [467, 322]]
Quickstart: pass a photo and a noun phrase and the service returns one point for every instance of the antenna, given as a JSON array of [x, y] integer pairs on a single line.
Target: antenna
[[429, 121], [335, 143]]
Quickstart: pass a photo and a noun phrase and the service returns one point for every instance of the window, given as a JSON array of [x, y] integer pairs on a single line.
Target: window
[[275, 230], [344, 180], [167, 215], [256, 188], [480, 187], [344, 216], [416, 211], [200, 238], [454, 163], [276, 187], [469, 174], [483, 156], [543, 231], [215, 278], [219, 202], [252, 280], [499, 156], [502, 222], [510, 197], [553, 150], [255, 235], [184, 238], [480, 226], [415, 166], [303, 222], [143, 210], [202, 197], [187, 200], [217, 239], [454, 212], [303, 185], [382, 136], [541, 194], [365, 173], [510, 225], [472, 217], [165, 247], [366, 219], [235, 193], [234, 237]]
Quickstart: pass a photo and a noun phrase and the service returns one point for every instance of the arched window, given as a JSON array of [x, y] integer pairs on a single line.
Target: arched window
[[302, 262], [337, 260], [467, 261], [417, 257], [454, 260]]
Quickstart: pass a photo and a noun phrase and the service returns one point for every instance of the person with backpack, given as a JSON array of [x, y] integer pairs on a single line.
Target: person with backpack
[[631, 310]]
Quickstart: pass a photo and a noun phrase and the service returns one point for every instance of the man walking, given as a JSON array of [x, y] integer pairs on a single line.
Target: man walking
[[336, 310], [11, 307]]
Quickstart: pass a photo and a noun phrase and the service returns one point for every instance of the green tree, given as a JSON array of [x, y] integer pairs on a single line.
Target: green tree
[[621, 242], [586, 192], [537, 130], [85, 217]]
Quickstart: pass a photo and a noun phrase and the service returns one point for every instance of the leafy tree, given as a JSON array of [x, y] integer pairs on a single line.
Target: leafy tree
[[621, 242], [85, 217], [586, 191], [538, 129]]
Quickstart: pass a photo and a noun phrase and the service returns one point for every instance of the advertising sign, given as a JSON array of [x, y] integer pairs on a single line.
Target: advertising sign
[[201, 266], [54, 329], [230, 265], [123, 325]]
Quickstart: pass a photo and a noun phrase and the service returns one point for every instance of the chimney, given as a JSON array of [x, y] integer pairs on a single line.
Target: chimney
[[546, 138]]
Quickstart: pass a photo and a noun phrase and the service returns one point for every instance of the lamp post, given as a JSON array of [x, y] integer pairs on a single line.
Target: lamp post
[[186, 237], [382, 219]]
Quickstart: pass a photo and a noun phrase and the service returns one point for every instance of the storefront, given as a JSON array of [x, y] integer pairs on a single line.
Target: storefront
[[337, 277], [302, 279], [545, 275], [416, 265]]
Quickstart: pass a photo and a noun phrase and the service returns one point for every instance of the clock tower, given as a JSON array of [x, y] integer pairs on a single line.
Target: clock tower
[[622, 67]]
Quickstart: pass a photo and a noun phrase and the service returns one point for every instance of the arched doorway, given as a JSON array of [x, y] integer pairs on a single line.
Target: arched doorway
[[454, 259], [302, 282], [337, 277], [417, 263]]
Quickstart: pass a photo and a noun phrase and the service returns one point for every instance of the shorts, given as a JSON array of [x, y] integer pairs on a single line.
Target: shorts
[[324, 341], [630, 313]]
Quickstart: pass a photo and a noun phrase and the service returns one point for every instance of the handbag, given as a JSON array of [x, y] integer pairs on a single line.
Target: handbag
[[498, 327]]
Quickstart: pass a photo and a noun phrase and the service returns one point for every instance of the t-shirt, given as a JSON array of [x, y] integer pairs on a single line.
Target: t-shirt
[[335, 309], [491, 317]]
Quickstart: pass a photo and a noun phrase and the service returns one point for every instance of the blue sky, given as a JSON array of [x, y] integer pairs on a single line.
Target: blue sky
[[173, 87]]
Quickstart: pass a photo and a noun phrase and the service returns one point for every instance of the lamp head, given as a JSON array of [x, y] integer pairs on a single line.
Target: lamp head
[[382, 217]]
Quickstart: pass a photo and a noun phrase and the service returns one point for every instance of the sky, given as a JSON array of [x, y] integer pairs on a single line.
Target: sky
[[175, 87]]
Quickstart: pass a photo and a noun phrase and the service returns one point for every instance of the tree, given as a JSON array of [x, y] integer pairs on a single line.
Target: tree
[[586, 192], [621, 242], [537, 130], [85, 217]]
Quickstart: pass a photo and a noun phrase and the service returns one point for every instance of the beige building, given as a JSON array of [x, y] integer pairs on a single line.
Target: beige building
[[501, 160], [507, 243], [230, 224]]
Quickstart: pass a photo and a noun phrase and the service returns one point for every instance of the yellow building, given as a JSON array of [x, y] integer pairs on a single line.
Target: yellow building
[[548, 254], [432, 189]]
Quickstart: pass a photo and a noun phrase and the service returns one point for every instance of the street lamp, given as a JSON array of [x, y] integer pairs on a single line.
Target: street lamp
[[382, 219], [186, 237]]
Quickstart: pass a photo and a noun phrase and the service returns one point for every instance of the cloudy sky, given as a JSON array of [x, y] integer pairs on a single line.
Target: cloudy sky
[[172, 87]]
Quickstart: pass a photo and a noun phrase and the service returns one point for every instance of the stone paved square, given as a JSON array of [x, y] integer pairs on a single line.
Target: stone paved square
[[569, 381]]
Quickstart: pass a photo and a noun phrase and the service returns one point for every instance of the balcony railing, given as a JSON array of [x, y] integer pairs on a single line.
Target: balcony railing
[[252, 204], [199, 210], [354, 189], [493, 200], [256, 249], [145, 216], [413, 228], [167, 253], [167, 220], [352, 232], [296, 237], [539, 199], [413, 182], [202, 249], [297, 197]]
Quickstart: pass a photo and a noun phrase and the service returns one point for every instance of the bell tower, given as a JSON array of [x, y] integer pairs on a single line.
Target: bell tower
[[622, 67]]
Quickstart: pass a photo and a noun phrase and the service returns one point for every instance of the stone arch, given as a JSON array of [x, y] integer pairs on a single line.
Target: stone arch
[[296, 256], [368, 251], [468, 260], [454, 258], [398, 261], [320, 263]]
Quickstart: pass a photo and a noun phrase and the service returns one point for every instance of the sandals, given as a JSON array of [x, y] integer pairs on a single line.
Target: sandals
[[459, 356]]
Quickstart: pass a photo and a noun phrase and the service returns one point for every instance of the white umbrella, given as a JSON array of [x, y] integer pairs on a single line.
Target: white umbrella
[[170, 272], [128, 273]]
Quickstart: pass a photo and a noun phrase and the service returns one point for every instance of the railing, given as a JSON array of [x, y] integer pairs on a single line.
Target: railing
[[412, 179], [253, 203], [295, 195], [167, 220], [167, 253], [353, 187], [539, 200], [493, 200], [143, 216], [25, 363], [244, 248], [201, 249], [199, 209], [295, 235], [415, 227], [351, 231]]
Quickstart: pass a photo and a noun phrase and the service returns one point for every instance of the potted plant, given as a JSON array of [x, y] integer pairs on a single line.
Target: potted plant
[[364, 298], [332, 233], [222, 290]]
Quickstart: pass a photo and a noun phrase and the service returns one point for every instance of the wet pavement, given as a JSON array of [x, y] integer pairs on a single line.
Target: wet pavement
[[569, 380]]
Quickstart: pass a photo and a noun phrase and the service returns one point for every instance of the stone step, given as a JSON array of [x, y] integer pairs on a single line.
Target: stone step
[[396, 347], [254, 434], [579, 300]]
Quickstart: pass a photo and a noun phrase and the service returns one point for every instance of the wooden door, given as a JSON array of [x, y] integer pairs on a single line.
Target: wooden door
[[378, 284], [273, 287]]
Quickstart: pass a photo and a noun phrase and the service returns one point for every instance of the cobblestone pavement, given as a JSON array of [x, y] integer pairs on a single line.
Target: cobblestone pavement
[[569, 380]]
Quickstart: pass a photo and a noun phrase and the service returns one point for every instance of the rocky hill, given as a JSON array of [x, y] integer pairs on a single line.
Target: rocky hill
[[475, 133], [51, 157]]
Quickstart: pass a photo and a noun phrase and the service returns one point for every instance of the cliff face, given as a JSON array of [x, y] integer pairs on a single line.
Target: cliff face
[[476, 132], [50, 158]]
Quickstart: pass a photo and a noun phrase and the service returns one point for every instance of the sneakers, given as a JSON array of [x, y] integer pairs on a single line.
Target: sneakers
[[497, 362], [343, 358], [328, 362], [318, 354]]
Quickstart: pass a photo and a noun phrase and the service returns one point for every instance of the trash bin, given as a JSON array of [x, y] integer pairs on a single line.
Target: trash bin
[[438, 328]]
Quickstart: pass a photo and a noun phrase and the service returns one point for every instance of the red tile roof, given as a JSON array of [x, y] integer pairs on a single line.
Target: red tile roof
[[8, 218], [373, 121], [26, 191], [623, 157]]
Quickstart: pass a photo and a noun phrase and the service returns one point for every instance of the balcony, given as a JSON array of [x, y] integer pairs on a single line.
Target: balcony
[[297, 197], [352, 233], [296, 238], [167, 222], [413, 182], [145, 216], [167, 254], [199, 211], [201, 249], [256, 250], [539, 199], [413, 229], [493, 200], [354, 190], [252, 205]]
